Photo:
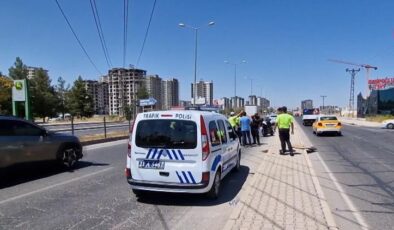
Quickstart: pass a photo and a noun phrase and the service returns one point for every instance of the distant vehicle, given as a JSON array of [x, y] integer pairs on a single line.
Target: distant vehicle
[[23, 142], [59, 117], [309, 116], [327, 124], [272, 118], [181, 151], [250, 110], [389, 124]]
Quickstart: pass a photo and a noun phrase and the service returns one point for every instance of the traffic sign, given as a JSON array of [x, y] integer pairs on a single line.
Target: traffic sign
[[147, 102]]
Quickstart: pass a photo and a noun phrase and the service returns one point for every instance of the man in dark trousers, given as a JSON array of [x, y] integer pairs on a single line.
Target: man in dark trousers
[[255, 125], [284, 122]]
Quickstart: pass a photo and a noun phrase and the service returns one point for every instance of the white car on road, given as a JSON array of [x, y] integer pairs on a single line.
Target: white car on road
[[389, 124]]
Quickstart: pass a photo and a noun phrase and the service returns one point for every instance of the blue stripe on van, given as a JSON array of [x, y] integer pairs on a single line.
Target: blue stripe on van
[[179, 177], [169, 154], [181, 155], [154, 154], [216, 162], [176, 157], [184, 174], [191, 176], [147, 156], [159, 155]]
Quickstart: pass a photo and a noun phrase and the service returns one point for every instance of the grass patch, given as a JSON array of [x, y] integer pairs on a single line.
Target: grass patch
[[379, 118], [95, 137]]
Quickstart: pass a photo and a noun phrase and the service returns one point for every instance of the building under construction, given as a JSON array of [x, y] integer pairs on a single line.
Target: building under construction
[[380, 99]]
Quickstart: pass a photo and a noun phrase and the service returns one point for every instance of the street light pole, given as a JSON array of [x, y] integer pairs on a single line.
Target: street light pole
[[323, 97], [235, 75], [195, 56]]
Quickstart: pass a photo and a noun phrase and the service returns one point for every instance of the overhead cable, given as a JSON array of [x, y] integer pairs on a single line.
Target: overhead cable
[[76, 37]]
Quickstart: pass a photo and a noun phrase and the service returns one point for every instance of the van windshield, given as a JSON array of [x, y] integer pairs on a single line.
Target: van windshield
[[166, 134]]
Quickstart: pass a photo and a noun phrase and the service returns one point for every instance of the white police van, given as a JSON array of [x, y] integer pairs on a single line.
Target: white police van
[[181, 151]]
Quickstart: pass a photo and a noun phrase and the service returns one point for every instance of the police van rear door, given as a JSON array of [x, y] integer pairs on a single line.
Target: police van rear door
[[167, 148]]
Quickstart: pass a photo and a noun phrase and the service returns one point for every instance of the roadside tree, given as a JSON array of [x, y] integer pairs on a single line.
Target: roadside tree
[[79, 102]]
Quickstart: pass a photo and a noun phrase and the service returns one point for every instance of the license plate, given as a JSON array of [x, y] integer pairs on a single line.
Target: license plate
[[151, 164], [330, 124]]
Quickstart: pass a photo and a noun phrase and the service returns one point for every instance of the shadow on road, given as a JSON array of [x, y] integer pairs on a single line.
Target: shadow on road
[[231, 186], [24, 173]]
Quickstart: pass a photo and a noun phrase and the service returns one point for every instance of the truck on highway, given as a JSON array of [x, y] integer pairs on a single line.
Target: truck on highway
[[252, 109], [309, 116]]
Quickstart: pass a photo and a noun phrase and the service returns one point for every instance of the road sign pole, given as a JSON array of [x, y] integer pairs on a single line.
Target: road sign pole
[[27, 101]]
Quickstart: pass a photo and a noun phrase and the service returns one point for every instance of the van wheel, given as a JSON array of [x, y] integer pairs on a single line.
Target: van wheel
[[215, 189], [238, 165]]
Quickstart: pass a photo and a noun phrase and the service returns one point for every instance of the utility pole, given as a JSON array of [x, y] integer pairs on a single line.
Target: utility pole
[[323, 97], [351, 99]]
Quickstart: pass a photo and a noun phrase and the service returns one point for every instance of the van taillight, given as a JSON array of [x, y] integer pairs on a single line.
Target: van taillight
[[128, 144], [131, 127], [204, 140], [129, 149], [127, 173]]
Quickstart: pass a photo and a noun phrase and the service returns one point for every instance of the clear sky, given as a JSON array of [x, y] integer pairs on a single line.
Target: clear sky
[[286, 43]]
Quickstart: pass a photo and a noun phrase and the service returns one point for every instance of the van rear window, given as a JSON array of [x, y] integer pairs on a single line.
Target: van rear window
[[166, 134]]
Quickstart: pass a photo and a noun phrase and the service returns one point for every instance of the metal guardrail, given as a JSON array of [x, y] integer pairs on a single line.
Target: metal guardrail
[[88, 126]]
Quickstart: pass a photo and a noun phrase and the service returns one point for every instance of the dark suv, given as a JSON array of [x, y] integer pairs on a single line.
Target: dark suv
[[23, 142]]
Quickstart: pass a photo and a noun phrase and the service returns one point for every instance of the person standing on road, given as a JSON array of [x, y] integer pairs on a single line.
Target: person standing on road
[[234, 122], [255, 125], [245, 128], [284, 122]]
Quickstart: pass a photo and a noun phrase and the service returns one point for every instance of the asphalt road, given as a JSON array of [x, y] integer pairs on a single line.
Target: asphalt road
[[97, 196], [357, 175]]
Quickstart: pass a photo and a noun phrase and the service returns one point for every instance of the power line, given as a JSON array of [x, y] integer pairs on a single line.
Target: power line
[[125, 20], [100, 31], [76, 37], [146, 32]]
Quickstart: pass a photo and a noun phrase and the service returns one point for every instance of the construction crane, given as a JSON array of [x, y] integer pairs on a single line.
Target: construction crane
[[365, 66]]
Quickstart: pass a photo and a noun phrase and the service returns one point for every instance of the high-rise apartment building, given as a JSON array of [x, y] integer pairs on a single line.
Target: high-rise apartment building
[[31, 71], [306, 104], [153, 86], [98, 90], [123, 85], [170, 93], [252, 100], [224, 103], [204, 92], [263, 102], [237, 102]]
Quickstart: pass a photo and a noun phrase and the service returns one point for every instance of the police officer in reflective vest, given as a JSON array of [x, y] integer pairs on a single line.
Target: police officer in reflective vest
[[284, 122]]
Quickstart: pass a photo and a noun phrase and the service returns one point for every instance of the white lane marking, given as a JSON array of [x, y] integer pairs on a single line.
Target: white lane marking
[[104, 145], [53, 186], [345, 197]]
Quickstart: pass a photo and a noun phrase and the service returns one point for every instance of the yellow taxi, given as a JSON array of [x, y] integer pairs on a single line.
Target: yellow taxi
[[327, 124]]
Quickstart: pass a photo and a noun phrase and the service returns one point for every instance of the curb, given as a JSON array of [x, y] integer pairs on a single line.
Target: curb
[[323, 202]]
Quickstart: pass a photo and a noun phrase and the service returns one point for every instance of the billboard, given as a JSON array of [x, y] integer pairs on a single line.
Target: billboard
[[382, 83]]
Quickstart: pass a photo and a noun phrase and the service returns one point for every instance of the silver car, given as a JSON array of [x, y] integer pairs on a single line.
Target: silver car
[[23, 142]]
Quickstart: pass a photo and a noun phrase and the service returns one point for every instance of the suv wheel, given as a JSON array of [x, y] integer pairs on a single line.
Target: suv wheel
[[390, 126], [215, 189], [69, 157]]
